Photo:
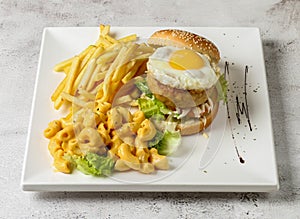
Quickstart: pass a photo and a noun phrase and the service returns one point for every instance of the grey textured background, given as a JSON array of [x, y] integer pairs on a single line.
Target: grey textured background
[[21, 26]]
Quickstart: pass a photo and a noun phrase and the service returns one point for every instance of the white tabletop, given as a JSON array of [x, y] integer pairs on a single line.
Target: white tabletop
[[21, 26]]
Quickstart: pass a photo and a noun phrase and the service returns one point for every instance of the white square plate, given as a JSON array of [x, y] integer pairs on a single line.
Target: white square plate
[[201, 164]]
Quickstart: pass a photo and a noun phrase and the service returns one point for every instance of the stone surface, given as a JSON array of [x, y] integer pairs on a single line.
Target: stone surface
[[21, 26]]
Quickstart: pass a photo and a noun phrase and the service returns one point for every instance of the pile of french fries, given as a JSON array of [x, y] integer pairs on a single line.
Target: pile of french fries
[[98, 72]]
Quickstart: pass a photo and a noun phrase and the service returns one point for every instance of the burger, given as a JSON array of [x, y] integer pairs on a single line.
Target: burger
[[183, 73]]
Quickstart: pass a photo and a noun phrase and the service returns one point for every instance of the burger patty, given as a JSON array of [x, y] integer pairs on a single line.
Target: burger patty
[[177, 98]]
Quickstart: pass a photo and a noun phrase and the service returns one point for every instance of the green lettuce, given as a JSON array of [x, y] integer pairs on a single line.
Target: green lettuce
[[143, 87], [222, 88], [149, 104], [169, 143], [157, 138], [151, 107], [94, 164]]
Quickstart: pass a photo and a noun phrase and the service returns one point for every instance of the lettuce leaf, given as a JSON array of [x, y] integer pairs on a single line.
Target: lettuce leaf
[[143, 87], [151, 107], [222, 87], [157, 138], [169, 143], [94, 164]]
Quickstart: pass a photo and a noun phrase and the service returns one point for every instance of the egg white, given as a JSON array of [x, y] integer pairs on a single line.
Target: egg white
[[191, 79]]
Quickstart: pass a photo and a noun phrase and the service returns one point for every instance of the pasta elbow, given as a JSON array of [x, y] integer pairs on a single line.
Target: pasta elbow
[[121, 165], [125, 154], [147, 131], [65, 134], [159, 161], [53, 128], [91, 141], [143, 154], [147, 168], [62, 165]]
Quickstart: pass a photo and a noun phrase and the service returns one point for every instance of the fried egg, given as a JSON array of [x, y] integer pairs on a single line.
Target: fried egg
[[181, 68]]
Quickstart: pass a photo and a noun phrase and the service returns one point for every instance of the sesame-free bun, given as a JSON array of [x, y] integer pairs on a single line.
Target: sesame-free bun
[[181, 38]]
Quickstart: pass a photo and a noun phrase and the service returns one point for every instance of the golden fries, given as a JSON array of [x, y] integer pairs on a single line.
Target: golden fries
[[100, 69]]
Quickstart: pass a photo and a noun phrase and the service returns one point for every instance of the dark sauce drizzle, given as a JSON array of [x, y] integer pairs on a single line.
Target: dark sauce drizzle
[[226, 74], [243, 107]]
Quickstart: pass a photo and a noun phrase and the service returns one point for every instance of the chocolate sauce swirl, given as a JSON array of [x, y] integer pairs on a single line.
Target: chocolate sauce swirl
[[242, 108]]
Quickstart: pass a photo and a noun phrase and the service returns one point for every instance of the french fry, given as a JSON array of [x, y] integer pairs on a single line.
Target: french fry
[[101, 28], [143, 56], [107, 57], [95, 90], [104, 42], [85, 52], [111, 39], [59, 89], [92, 81], [100, 76], [58, 102], [123, 100], [73, 99], [119, 73], [69, 116], [60, 66], [116, 46], [86, 94], [87, 57], [104, 29], [87, 74], [113, 90], [98, 69], [78, 80], [67, 120], [104, 68], [99, 93], [74, 71], [132, 71], [67, 97], [67, 69], [99, 51]]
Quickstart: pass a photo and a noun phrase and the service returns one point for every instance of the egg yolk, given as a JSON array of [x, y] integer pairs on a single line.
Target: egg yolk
[[185, 59]]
